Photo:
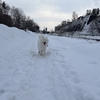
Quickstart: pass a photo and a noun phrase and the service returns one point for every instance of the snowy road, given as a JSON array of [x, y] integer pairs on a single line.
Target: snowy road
[[69, 70]]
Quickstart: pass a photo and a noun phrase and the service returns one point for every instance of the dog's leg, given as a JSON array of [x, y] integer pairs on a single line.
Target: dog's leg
[[38, 51], [43, 53]]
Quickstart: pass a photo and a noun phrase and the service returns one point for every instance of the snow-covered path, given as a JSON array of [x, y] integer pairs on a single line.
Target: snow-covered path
[[69, 70]]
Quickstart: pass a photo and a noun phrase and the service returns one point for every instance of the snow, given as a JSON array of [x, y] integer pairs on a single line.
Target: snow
[[70, 70]]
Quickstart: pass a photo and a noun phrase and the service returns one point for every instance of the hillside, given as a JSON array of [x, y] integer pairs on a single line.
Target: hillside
[[87, 25], [70, 70]]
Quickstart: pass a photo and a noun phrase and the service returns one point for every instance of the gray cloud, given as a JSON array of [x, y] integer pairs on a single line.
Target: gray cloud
[[96, 3], [51, 12]]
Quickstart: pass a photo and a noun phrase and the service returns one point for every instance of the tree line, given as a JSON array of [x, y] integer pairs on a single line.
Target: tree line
[[15, 17]]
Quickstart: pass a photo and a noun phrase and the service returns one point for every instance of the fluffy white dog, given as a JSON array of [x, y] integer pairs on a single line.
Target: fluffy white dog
[[42, 43]]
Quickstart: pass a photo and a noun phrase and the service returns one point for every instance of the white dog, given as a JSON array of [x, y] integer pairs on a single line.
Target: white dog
[[42, 43]]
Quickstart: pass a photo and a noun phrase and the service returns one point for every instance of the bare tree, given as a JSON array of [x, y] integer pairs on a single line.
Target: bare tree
[[95, 27], [95, 12], [74, 16], [88, 12], [17, 16], [0, 7]]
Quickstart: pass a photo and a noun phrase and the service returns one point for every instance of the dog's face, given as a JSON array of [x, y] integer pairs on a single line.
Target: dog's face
[[44, 40]]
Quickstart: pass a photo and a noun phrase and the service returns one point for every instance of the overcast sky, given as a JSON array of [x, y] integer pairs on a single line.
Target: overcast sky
[[49, 13]]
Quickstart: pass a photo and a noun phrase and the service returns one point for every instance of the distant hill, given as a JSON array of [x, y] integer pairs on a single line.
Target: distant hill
[[89, 23]]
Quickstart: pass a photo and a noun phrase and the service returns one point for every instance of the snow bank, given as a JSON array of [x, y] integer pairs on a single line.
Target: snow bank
[[70, 70]]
